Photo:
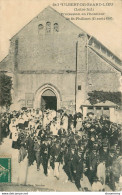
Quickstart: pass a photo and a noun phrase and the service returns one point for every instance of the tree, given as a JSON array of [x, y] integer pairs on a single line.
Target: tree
[[102, 96], [5, 90]]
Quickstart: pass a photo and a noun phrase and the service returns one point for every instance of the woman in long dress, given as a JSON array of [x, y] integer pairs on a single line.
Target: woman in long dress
[[78, 123], [23, 164]]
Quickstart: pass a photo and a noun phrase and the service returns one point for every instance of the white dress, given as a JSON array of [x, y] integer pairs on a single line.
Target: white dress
[[85, 183], [65, 123], [101, 172], [23, 171], [97, 187], [79, 124]]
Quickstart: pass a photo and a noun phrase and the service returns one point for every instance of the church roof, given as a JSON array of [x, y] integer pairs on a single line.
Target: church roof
[[4, 64], [116, 63]]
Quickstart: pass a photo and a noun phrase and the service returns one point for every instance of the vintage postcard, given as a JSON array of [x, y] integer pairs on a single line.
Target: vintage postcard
[[60, 96]]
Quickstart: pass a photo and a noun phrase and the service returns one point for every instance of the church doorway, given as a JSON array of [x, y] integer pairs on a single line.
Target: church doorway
[[48, 97], [48, 100]]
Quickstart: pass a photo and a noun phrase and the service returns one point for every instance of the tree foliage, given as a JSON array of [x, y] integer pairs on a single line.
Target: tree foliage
[[5, 90], [102, 96]]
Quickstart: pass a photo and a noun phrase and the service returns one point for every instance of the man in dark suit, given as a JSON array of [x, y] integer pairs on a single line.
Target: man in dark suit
[[110, 178], [37, 152], [77, 166], [30, 148], [69, 156], [45, 155], [93, 162]]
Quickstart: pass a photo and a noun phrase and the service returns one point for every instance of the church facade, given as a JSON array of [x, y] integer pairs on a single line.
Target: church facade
[[54, 64]]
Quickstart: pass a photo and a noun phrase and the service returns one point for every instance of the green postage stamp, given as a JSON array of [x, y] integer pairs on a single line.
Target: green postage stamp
[[5, 170]]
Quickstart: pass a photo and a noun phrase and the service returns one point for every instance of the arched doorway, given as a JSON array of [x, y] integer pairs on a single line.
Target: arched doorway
[[48, 100], [47, 96]]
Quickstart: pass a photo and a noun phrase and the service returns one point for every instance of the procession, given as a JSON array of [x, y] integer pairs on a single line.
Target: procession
[[87, 147]]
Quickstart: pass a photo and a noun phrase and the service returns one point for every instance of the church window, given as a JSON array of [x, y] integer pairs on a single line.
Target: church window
[[90, 108], [79, 87], [56, 27], [98, 108], [40, 26], [48, 27], [106, 108]]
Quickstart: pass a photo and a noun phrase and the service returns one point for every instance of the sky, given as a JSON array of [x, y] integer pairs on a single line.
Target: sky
[[15, 14]]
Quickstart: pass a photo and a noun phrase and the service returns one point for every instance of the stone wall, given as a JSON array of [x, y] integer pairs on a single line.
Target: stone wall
[[40, 54]]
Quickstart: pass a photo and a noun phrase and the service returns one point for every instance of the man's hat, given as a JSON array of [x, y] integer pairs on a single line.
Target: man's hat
[[95, 142], [72, 147], [72, 141], [94, 148], [112, 150], [118, 147], [21, 134], [93, 134], [80, 150], [105, 140], [57, 141], [50, 138], [105, 145], [77, 137], [22, 143], [35, 138], [45, 138], [116, 142]]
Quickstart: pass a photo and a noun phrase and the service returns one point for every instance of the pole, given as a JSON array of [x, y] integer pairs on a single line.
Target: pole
[[76, 75]]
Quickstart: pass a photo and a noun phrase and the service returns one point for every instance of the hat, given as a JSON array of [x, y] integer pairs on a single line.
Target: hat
[[72, 140], [118, 147], [94, 148], [93, 134], [72, 147], [45, 139], [35, 139], [105, 140], [112, 150], [90, 113], [21, 134], [50, 138], [99, 136], [80, 149], [22, 143], [57, 142], [95, 142], [105, 145], [116, 142], [77, 137]]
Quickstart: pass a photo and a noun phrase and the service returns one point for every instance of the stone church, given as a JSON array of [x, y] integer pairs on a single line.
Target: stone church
[[54, 64]]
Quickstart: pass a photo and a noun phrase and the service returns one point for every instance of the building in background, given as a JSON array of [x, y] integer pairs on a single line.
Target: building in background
[[54, 64]]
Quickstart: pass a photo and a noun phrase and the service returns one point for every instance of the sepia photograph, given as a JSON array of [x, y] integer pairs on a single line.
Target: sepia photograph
[[60, 96]]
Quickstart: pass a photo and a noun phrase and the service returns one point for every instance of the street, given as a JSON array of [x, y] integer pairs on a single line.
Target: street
[[36, 180]]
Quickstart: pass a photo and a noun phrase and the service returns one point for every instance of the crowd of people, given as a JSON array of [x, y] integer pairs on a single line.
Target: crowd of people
[[89, 146]]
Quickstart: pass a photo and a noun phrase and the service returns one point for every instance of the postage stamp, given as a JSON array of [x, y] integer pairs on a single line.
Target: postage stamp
[[5, 170]]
